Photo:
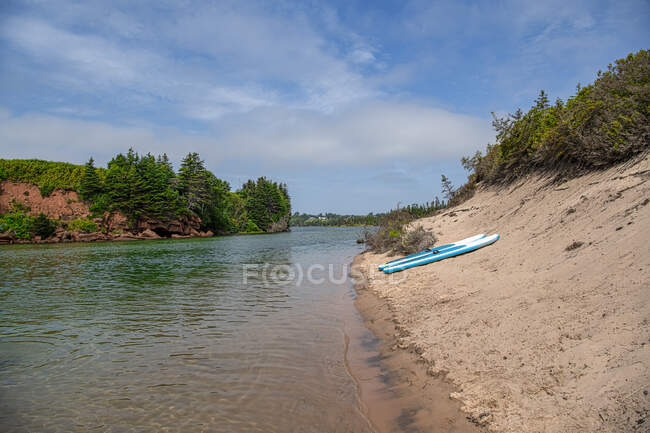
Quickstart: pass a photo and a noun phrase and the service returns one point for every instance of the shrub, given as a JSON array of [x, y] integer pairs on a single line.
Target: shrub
[[101, 204], [251, 227], [83, 225], [43, 226], [17, 222], [416, 239], [463, 193], [20, 207], [279, 226], [46, 190], [397, 235]]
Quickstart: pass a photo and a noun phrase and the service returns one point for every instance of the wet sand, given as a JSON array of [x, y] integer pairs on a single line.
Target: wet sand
[[405, 398]]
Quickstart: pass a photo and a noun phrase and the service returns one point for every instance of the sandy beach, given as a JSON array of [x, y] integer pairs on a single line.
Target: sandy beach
[[546, 330]]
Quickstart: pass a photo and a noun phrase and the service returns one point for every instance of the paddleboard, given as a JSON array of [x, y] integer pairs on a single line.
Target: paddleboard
[[430, 251], [448, 252]]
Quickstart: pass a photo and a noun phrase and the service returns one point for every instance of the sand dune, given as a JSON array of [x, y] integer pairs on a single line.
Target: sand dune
[[547, 330]]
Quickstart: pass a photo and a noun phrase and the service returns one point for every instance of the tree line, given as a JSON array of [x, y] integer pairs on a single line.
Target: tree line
[[147, 186], [415, 210]]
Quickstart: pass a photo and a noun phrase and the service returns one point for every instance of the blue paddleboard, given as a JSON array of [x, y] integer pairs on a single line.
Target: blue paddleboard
[[457, 249], [428, 252]]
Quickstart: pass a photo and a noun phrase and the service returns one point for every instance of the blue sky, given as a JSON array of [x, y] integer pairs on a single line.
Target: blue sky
[[357, 106]]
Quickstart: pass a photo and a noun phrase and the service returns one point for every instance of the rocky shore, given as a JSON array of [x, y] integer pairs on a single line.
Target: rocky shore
[[61, 235]]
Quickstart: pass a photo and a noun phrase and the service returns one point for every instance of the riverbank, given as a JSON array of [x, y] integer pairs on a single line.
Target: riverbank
[[546, 330], [418, 401]]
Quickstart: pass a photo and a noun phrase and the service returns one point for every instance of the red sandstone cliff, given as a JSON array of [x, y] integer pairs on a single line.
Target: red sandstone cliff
[[65, 206]]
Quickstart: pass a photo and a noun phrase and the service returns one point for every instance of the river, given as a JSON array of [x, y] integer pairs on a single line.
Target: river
[[237, 333]]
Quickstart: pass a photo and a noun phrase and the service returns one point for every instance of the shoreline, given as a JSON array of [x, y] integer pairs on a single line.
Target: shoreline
[[424, 399], [82, 237]]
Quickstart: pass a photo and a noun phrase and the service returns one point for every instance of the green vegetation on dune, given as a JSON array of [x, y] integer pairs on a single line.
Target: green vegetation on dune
[[602, 124]]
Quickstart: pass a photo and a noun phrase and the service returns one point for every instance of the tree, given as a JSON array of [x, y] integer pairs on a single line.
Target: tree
[[214, 214], [542, 100], [193, 182], [447, 188], [121, 181], [90, 185], [267, 202], [470, 163]]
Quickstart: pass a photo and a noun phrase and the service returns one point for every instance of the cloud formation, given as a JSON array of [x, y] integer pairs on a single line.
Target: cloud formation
[[360, 136]]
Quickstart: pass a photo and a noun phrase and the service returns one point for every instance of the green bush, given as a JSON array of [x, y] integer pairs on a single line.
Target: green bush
[[251, 227], [46, 190], [83, 225], [396, 234], [101, 204], [17, 222], [43, 226], [18, 206]]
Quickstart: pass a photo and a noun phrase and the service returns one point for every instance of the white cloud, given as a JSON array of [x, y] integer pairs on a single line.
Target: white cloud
[[88, 56], [362, 56], [363, 135]]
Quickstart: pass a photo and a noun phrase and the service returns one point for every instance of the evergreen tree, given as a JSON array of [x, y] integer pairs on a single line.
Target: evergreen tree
[[193, 182], [121, 181], [447, 188], [90, 185], [266, 202], [214, 214]]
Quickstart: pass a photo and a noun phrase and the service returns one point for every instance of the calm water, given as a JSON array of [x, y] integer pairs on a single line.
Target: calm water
[[157, 335]]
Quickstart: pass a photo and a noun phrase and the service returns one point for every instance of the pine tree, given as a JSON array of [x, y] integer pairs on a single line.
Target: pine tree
[[90, 185], [447, 188], [542, 101], [193, 182], [121, 184]]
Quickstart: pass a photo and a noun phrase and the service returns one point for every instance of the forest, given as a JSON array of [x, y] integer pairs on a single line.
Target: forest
[[146, 186]]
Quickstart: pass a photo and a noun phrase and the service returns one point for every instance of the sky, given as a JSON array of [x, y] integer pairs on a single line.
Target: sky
[[358, 106]]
